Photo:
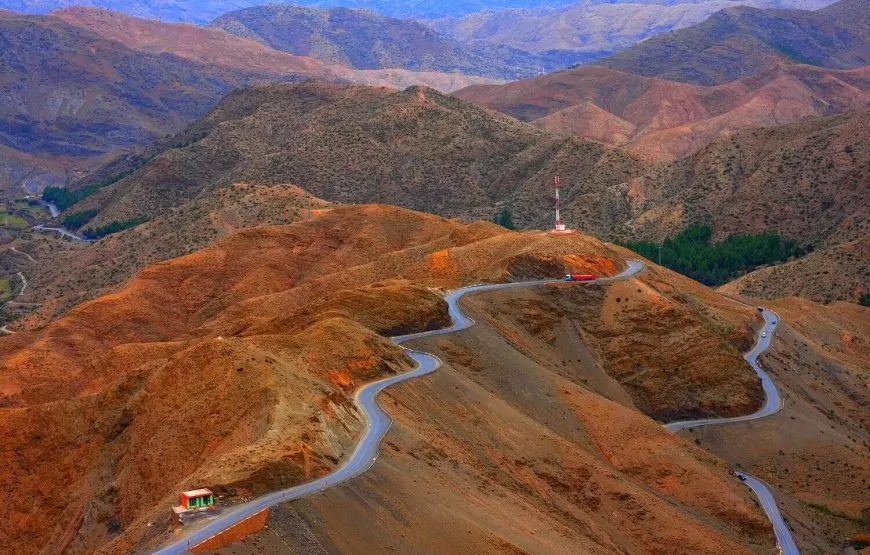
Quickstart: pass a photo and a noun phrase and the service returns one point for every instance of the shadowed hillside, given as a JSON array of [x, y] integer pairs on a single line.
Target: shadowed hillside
[[808, 181], [72, 97], [841, 272], [87, 84], [661, 120], [365, 40], [672, 95], [594, 27], [203, 11], [738, 42], [416, 148]]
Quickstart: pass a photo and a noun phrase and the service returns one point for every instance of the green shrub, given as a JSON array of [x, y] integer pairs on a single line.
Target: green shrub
[[864, 299]]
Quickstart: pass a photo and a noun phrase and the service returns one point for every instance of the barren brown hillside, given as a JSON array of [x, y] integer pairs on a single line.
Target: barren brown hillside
[[838, 272], [87, 84], [232, 368], [416, 148], [212, 46], [593, 27], [808, 181], [73, 97], [673, 346], [814, 453], [64, 273], [525, 442], [659, 119], [745, 41], [197, 371]]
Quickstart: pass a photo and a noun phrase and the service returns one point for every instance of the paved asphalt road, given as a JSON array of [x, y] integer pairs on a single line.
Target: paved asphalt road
[[378, 421], [62, 232], [772, 405], [768, 503]]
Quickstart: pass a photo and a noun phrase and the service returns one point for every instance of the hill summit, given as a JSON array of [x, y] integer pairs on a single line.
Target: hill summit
[[416, 148]]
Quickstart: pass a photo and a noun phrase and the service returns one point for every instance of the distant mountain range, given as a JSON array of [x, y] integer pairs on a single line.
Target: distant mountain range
[[83, 85], [740, 42], [365, 40], [73, 96], [672, 95], [593, 27], [204, 11]]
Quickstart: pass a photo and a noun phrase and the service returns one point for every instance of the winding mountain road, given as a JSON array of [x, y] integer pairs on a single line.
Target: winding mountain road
[[772, 399], [784, 539], [378, 422], [61, 231], [772, 404]]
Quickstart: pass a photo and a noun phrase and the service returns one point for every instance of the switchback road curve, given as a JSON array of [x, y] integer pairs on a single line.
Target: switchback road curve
[[378, 422], [772, 404], [772, 399]]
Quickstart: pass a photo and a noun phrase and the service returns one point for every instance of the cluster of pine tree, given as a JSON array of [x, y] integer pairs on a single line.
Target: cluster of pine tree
[[692, 254], [114, 227], [78, 219]]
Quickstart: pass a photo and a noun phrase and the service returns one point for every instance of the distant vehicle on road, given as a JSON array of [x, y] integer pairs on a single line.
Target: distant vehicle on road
[[764, 334], [741, 477], [760, 308], [580, 277]]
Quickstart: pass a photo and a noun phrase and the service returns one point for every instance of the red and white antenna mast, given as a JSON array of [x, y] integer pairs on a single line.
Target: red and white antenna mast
[[559, 225]]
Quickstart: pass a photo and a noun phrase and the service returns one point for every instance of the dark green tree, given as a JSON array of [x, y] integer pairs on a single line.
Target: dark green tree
[[113, 227], [505, 218], [692, 254], [78, 219]]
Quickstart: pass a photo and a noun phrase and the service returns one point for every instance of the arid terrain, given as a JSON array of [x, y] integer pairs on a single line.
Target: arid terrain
[[424, 150], [677, 92], [814, 452], [62, 273], [203, 11], [527, 441], [416, 148], [834, 273], [114, 387], [661, 120], [556, 360], [594, 27], [741, 42], [250, 210], [364, 39], [83, 85], [212, 45], [809, 181]]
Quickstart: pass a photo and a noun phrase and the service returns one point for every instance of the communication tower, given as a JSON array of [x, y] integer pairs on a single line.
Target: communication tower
[[559, 227]]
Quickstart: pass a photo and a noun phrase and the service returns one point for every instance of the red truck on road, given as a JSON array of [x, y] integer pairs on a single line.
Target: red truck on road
[[581, 277]]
